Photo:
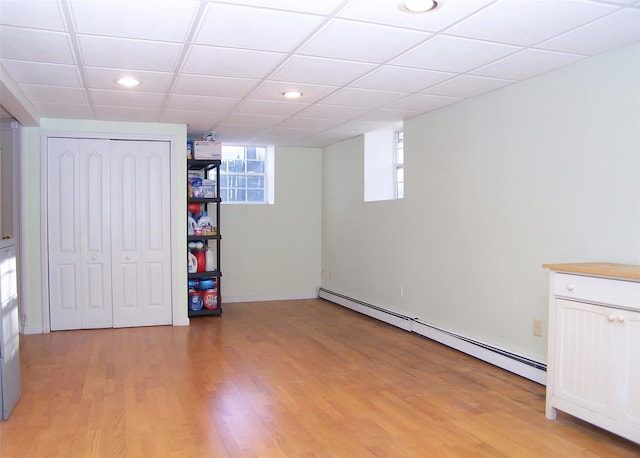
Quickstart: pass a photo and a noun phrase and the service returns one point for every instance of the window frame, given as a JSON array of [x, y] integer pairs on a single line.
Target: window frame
[[398, 160], [266, 175]]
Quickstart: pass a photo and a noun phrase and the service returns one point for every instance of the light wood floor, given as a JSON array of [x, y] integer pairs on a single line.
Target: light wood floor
[[279, 379]]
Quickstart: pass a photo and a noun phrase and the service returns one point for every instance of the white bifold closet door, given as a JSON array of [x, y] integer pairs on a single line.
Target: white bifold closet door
[[108, 233], [140, 233]]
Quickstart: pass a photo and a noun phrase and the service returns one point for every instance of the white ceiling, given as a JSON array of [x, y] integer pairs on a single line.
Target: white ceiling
[[222, 65]]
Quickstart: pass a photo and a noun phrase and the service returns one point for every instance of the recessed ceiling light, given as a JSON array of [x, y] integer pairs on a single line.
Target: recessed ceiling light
[[128, 81], [292, 94], [419, 6]]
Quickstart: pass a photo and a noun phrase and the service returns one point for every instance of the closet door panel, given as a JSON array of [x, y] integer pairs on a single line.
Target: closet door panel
[[63, 240], [78, 234], [155, 258], [95, 238], [140, 233]]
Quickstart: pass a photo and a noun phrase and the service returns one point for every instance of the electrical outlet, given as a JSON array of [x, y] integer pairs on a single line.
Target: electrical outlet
[[537, 328], [401, 291]]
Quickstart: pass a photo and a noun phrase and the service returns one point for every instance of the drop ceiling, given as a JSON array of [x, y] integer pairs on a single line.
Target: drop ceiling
[[222, 66]]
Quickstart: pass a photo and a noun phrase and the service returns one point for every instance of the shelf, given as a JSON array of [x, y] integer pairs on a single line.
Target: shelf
[[195, 238], [202, 164], [210, 168], [206, 312], [204, 200], [208, 274]]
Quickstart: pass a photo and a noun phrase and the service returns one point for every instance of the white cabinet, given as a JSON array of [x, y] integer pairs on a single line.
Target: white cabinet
[[593, 368], [9, 338]]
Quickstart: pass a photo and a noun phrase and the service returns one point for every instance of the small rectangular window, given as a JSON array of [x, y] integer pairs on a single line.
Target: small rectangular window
[[246, 174], [399, 161], [384, 164]]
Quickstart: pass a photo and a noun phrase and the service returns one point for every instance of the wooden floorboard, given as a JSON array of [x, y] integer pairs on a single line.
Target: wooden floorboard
[[279, 379]]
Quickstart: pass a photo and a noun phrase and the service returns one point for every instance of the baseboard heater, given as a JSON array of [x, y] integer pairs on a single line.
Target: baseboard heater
[[520, 365]]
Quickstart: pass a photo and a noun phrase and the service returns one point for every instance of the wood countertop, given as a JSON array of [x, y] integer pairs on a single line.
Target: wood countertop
[[600, 269]]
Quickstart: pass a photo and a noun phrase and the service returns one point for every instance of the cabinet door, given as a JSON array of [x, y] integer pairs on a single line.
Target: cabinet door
[[584, 339], [79, 234], [140, 211], [626, 384]]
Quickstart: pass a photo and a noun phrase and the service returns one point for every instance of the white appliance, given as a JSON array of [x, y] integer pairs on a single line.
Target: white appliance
[[9, 333]]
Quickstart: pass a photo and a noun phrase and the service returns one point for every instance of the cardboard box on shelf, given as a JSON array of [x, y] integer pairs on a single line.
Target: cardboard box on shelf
[[207, 150]]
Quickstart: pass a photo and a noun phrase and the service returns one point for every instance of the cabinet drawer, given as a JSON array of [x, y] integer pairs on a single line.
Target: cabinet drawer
[[619, 293]]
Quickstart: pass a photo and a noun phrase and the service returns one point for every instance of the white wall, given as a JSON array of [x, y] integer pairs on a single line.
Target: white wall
[[273, 251], [547, 170]]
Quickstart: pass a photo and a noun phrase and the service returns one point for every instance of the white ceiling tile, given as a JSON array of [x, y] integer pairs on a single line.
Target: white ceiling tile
[[616, 30], [44, 74], [464, 86], [64, 110], [281, 137], [196, 121], [389, 12], [54, 94], [527, 63], [216, 86], [369, 98], [280, 134], [302, 6], [422, 103], [237, 134], [254, 28], [264, 121], [528, 22], [335, 112], [327, 138], [105, 78], [452, 54], [359, 126], [131, 54], [167, 21], [388, 116], [366, 42], [272, 90], [208, 60], [224, 83], [110, 113], [619, 2], [127, 98], [44, 14], [299, 122], [319, 70], [201, 103], [35, 45], [268, 107], [401, 79]]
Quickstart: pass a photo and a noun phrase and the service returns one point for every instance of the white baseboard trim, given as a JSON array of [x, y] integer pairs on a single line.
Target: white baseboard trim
[[285, 297], [32, 330], [395, 319], [524, 367], [517, 364]]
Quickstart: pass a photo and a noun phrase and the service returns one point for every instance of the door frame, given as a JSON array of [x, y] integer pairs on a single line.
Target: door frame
[[178, 307]]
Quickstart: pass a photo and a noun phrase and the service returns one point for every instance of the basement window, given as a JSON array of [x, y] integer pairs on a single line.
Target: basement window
[[247, 174], [399, 163], [384, 165]]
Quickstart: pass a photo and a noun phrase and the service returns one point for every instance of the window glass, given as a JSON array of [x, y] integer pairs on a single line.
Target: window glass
[[244, 174]]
